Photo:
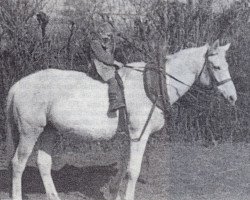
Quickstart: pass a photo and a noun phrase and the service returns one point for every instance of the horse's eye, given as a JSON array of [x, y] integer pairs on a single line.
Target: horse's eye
[[217, 67], [212, 54]]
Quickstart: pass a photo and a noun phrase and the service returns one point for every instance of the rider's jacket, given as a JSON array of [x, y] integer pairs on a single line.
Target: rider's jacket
[[102, 56]]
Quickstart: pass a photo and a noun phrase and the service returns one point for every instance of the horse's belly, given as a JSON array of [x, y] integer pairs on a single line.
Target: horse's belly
[[77, 117]]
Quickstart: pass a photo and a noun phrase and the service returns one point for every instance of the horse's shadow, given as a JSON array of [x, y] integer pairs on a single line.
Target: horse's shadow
[[87, 180]]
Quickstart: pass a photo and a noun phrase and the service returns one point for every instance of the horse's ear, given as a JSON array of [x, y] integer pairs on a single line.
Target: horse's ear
[[215, 45], [226, 47]]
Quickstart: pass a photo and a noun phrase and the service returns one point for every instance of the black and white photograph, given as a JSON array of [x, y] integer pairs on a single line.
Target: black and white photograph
[[124, 99]]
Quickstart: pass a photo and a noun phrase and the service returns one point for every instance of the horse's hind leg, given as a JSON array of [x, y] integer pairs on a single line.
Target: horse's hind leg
[[44, 161], [28, 138]]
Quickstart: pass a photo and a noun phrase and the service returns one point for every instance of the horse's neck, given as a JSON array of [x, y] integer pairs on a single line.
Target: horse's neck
[[186, 67]]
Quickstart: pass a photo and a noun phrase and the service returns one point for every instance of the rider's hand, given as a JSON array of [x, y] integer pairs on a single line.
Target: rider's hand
[[118, 64]]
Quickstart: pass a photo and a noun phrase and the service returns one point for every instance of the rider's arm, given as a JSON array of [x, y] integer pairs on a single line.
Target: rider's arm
[[118, 64], [101, 55]]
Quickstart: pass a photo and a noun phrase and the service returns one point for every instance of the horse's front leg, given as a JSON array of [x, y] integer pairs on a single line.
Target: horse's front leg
[[112, 192], [115, 183], [120, 145], [137, 149]]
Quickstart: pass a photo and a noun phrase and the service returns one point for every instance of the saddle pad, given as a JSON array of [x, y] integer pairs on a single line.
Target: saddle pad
[[151, 78]]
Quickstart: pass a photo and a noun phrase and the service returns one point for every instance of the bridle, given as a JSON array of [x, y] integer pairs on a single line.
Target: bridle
[[208, 65]]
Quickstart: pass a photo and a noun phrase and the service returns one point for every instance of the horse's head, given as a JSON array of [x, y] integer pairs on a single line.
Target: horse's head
[[216, 71]]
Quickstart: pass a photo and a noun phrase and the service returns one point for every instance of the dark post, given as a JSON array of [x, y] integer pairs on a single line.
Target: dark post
[[43, 20]]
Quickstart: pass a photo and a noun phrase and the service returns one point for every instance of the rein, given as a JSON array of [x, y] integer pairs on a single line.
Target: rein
[[214, 80], [217, 83], [157, 70]]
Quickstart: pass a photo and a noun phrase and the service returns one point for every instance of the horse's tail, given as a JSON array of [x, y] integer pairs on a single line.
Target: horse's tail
[[10, 126]]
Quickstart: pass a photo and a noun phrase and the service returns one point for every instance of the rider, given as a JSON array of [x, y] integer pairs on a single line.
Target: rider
[[102, 57]]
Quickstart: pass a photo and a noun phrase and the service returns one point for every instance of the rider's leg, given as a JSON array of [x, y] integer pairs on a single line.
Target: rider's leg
[[116, 100]]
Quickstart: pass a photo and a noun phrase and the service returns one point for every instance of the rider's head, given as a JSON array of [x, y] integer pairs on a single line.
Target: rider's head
[[105, 31]]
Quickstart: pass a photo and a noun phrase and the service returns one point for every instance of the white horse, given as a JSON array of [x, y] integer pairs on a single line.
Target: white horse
[[76, 104]]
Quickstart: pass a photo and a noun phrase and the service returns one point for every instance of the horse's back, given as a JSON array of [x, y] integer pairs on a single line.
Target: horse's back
[[52, 83], [50, 78]]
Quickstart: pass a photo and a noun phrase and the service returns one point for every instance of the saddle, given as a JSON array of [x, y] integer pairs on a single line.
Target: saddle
[[152, 81]]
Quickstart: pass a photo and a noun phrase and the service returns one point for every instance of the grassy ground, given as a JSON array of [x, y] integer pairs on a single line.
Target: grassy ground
[[172, 172]]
